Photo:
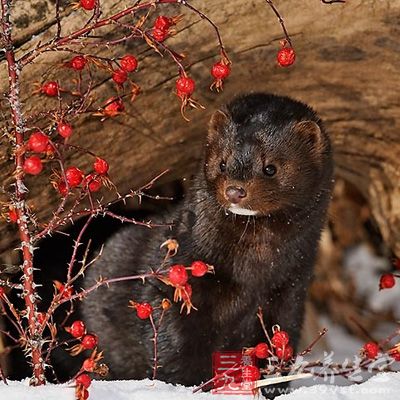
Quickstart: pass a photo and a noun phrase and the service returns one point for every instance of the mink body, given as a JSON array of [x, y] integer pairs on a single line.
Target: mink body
[[260, 260]]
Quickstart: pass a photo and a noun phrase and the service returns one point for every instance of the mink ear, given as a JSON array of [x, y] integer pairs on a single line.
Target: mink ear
[[217, 123], [311, 132]]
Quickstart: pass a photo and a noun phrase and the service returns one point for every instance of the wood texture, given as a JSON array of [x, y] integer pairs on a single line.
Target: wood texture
[[347, 69]]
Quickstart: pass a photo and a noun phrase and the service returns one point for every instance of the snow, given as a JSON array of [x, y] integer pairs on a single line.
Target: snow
[[385, 384], [365, 269]]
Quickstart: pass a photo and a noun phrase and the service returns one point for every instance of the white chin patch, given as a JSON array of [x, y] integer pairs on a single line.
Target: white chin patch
[[234, 209]]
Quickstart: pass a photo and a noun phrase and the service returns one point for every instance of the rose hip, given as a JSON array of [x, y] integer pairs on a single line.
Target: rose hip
[[33, 165]]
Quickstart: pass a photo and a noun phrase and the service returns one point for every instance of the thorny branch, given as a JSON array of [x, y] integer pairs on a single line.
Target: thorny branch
[[29, 293]]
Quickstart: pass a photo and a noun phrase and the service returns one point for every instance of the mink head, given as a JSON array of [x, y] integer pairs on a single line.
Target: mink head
[[266, 154]]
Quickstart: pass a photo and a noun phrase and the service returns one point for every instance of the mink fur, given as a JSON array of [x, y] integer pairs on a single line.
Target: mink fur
[[264, 260]]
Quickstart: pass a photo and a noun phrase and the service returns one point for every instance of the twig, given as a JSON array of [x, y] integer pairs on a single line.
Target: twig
[[309, 348], [2, 376], [281, 21], [261, 318], [333, 1]]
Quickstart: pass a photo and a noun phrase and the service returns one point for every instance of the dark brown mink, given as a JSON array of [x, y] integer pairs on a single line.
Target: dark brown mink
[[255, 211]]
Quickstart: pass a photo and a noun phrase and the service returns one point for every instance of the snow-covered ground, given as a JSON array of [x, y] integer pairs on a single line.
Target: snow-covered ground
[[387, 386]]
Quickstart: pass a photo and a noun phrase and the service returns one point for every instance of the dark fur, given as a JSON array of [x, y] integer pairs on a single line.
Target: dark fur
[[262, 261]]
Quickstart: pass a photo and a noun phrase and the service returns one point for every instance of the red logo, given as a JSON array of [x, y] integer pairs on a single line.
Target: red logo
[[234, 372]]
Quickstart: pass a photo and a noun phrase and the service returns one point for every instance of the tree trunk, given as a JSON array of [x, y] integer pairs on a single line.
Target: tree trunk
[[347, 69]]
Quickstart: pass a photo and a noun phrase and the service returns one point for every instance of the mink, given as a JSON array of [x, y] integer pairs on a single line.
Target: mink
[[255, 211]]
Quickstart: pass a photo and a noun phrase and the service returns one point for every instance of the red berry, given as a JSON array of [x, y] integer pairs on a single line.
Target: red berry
[[144, 310], [67, 292], [178, 275], [64, 129], [284, 353], [62, 188], [13, 215], [40, 316], [199, 268], [163, 23], [74, 176], [129, 63], [286, 57], [85, 394], [371, 350], [159, 34], [77, 329], [50, 88], [94, 185], [50, 150], [119, 76], [92, 182], [185, 86], [113, 107], [261, 350], [280, 339], [220, 70], [88, 365], [78, 63], [38, 142], [250, 373], [395, 354], [84, 380], [33, 165], [187, 292], [100, 166], [89, 342], [88, 4], [387, 281]]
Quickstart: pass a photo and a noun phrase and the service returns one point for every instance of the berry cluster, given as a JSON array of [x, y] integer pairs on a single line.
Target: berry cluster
[[75, 177], [162, 27], [371, 350], [178, 277], [279, 346], [83, 379], [87, 341], [128, 64]]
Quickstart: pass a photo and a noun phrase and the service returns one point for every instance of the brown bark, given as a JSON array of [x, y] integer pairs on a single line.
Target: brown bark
[[347, 69]]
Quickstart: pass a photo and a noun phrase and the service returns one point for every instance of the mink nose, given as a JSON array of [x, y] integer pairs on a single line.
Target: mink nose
[[235, 194]]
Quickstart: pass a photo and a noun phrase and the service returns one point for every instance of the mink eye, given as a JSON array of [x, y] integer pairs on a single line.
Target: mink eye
[[269, 170], [222, 166]]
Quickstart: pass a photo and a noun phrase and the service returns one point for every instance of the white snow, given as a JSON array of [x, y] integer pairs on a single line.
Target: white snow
[[386, 385], [365, 269]]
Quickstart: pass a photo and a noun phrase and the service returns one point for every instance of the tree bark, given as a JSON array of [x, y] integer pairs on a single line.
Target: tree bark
[[347, 69]]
